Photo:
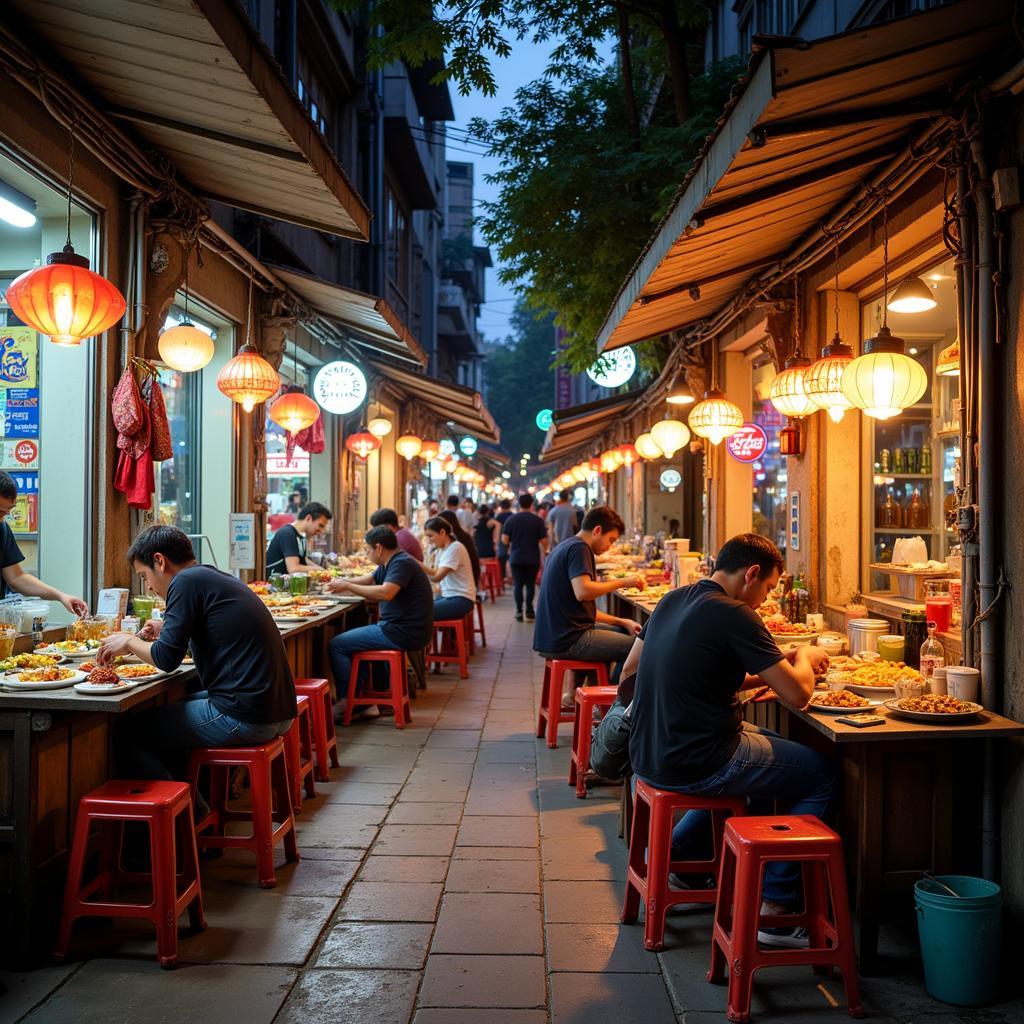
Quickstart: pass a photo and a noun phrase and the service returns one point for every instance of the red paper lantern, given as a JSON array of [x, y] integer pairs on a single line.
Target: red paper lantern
[[294, 410], [248, 379], [65, 299], [362, 443], [629, 454]]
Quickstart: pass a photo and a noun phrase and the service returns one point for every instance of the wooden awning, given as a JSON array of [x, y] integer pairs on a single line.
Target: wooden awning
[[573, 429], [366, 320], [810, 124], [449, 402], [194, 79]]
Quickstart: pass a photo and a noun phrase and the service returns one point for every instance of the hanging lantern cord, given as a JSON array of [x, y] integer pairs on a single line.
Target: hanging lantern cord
[[71, 177], [796, 315], [885, 258], [836, 292], [248, 311]]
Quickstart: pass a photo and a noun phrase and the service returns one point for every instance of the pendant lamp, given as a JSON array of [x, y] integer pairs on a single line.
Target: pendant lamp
[[379, 426], [670, 436], [648, 447], [884, 380], [715, 417], [629, 454], [248, 378], [64, 299], [680, 393], [824, 380], [912, 296], [294, 410], [429, 450], [185, 348], [362, 443], [408, 445], [579, 474], [787, 392], [608, 463]]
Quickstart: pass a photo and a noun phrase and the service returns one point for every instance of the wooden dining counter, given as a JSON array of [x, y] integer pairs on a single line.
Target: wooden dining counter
[[57, 745]]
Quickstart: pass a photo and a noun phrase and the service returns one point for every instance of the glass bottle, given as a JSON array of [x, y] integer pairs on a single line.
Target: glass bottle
[[915, 629], [889, 512], [932, 655], [926, 460], [916, 514]]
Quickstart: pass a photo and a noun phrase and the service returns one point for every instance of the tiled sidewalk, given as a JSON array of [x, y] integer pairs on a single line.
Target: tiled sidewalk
[[448, 875]]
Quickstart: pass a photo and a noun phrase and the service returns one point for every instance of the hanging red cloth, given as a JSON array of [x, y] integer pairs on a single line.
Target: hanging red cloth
[[311, 439], [160, 443], [134, 473], [135, 478], [126, 406]]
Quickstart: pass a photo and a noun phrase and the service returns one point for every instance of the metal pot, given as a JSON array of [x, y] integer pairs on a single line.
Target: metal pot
[[863, 634]]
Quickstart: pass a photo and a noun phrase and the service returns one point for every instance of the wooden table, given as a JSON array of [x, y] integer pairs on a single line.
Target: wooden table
[[907, 803], [57, 745]]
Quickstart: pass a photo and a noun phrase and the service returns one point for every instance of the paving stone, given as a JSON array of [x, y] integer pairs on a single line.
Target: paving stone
[[364, 773], [321, 810], [404, 869], [19, 992], [441, 775], [197, 994], [380, 946], [365, 755], [391, 901], [432, 792], [598, 948], [499, 853], [416, 840], [506, 801], [609, 998], [573, 859], [498, 830], [584, 902], [483, 981], [508, 923], [375, 794], [465, 738], [334, 831], [450, 1016], [310, 877], [493, 876], [350, 997], [446, 755], [424, 813]]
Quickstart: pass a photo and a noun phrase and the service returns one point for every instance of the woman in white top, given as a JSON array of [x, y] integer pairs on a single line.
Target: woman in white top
[[453, 571]]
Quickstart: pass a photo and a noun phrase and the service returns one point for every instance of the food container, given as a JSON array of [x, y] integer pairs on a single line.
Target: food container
[[832, 644], [838, 679], [892, 647], [142, 607], [938, 683], [8, 634], [864, 633], [962, 682], [34, 615], [908, 687], [299, 584]]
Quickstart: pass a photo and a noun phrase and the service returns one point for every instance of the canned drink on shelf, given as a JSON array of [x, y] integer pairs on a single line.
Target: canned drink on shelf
[[898, 461]]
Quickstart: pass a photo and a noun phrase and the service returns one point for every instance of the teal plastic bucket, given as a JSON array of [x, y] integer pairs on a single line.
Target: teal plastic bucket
[[960, 938]]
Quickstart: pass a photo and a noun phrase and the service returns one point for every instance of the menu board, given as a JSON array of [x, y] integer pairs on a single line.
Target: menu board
[[19, 422]]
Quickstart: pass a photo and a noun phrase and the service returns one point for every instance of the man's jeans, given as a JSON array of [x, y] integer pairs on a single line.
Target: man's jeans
[[605, 643], [155, 743], [524, 577], [764, 767], [352, 641]]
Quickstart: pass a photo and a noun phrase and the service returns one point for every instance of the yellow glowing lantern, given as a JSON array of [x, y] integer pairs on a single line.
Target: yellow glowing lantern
[[788, 392], [824, 380], [294, 411], [669, 436], [608, 463], [647, 447], [185, 348], [248, 379], [715, 417], [379, 426], [884, 380], [408, 445]]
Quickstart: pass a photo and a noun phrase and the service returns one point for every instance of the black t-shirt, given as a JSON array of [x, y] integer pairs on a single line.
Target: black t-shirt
[[408, 617], [561, 617], [484, 538], [237, 647], [286, 542], [699, 645], [10, 554], [502, 518], [525, 532]]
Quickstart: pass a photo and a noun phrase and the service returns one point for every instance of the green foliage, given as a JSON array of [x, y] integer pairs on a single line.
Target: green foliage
[[580, 195], [521, 381], [456, 253]]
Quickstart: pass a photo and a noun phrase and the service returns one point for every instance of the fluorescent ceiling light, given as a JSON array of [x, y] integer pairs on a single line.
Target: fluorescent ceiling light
[[16, 208]]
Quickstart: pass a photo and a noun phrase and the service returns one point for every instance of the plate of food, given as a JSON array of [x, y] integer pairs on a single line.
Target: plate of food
[[294, 615], [937, 708], [103, 680], [838, 702], [53, 678], [880, 677], [18, 662], [790, 632], [139, 673], [65, 649]]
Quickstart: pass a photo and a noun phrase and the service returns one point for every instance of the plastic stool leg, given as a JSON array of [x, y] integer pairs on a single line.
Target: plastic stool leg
[[745, 915], [637, 861], [189, 855], [165, 894], [262, 820], [554, 706], [583, 749], [73, 885], [545, 687], [291, 849], [577, 717], [723, 914], [659, 839]]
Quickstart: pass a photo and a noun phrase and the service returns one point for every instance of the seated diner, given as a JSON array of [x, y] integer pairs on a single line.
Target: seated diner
[[406, 538], [452, 571], [287, 550]]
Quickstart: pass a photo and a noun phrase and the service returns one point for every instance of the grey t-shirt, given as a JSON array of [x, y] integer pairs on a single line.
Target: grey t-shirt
[[562, 522]]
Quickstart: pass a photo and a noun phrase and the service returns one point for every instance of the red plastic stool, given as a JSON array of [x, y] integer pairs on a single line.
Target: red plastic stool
[[457, 649], [298, 749], [490, 578], [397, 698], [325, 741], [587, 699], [650, 851], [480, 622], [166, 808], [470, 632], [271, 814], [750, 844], [551, 713]]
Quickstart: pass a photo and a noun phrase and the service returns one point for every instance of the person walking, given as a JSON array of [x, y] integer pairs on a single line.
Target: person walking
[[526, 536]]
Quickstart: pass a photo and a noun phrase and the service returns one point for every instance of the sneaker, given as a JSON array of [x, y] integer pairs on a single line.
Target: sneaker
[[529, 615], [519, 616], [784, 938], [685, 882]]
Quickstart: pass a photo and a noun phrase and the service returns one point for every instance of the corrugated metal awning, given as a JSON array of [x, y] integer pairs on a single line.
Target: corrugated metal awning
[[194, 80], [574, 428], [368, 321], [448, 402], [810, 125]]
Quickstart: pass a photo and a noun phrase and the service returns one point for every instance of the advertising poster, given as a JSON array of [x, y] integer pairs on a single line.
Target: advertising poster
[[19, 354], [19, 412]]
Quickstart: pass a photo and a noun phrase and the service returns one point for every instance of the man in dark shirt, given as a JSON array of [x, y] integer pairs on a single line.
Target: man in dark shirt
[[286, 552], [406, 538], [248, 695], [568, 622], [701, 646], [526, 536], [503, 514], [406, 606]]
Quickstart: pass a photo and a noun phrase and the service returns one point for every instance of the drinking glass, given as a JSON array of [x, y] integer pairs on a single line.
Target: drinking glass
[[938, 604]]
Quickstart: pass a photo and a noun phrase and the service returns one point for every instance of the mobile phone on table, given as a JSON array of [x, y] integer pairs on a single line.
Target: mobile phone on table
[[862, 721]]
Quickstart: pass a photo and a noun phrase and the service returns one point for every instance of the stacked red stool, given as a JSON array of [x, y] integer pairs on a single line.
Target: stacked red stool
[[298, 749], [325, 741], [479, 628], [490, 578], [271, 814], [749, 845], [396, 697], [650, 853], [551, 714], [166, 808], [449, 645], [588, 698]]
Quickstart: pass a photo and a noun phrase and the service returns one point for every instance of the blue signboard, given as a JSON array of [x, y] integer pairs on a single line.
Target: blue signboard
[[27, 481], [19, 412]]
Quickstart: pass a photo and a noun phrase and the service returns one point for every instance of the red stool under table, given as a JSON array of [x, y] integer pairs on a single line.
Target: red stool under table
[[650, 853], [166, 808], [449, 649], [749, 845], [397, 698], [470, 632], [321, 708], [480, 622], [551, 714], [490, 578], [298, 749], [271, 814], [587, 699]]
